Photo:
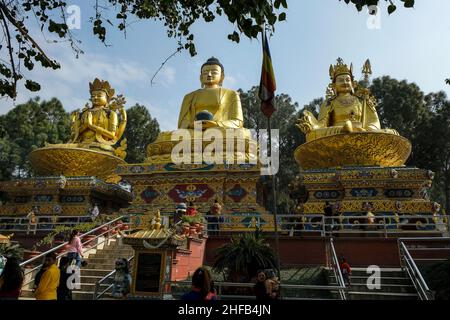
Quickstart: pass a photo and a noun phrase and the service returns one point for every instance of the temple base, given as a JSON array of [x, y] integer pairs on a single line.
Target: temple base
[[398, 197], [162, 186]]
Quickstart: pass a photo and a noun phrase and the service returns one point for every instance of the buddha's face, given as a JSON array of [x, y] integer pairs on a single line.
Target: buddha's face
[[99, 98], [211, 76], [344, 83]]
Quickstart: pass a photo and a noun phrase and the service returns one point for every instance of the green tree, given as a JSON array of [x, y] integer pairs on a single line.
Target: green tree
[[141, 130], [402, 106], [29, 126], [243, 256], [283, 120], [178, 16]]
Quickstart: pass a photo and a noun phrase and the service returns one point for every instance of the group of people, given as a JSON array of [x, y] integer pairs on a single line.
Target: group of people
[[267, 285], [213, 216], [51, 281]]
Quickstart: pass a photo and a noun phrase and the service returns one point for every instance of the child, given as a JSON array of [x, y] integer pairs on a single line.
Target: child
[[346, 271]]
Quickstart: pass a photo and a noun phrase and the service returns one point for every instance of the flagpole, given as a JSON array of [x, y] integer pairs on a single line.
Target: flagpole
[[274, 198], [274, 193]]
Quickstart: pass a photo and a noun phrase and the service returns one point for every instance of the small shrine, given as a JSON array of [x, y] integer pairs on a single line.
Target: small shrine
[[164, 254]]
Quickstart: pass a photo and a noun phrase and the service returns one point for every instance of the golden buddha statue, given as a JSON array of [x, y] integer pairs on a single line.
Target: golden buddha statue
[[94, 132], [347, 131], [210, 107], [348, 108], [99, 126]]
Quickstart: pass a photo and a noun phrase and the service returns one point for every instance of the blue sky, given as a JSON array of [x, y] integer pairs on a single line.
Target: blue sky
[[411, 44]]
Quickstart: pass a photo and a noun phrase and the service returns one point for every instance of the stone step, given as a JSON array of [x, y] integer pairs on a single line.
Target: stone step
[[90, 287], [94, 271], [384, 280], [104, 266], [356, 295], [391, 288]]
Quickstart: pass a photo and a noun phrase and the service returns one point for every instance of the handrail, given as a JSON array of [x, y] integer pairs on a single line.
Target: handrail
[[99, 282], [337, 271], [67, 242], [414, 273], [30, 271], [219, 285]]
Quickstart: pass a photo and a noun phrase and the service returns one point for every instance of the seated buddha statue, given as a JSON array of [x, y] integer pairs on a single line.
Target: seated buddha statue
[[348, 108], [101, 125], [212, 105]]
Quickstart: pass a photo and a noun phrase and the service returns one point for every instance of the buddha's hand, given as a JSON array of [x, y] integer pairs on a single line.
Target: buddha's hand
[[205, 124]]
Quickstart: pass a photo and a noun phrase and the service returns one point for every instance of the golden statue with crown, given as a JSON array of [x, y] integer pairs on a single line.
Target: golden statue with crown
[[347, 131], [95, 131]]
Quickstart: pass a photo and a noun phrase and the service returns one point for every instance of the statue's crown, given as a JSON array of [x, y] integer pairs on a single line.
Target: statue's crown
[[340, 68], [99, 85]]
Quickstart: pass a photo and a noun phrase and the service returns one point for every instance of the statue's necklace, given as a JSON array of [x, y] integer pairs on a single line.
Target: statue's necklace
[[346, 100]]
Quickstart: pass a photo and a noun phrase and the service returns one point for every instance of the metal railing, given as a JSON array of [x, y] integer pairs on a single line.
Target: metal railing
[[43, 223], [97, 293], [333, 262], [298, 224], [423, 251], [221, 288], [414, 274], [106, 235]]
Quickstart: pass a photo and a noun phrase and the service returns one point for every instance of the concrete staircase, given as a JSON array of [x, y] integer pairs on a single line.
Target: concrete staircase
[[101, 261], [394, 285], [100, 264]]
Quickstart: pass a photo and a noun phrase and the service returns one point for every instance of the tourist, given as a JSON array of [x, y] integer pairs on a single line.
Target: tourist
[[94, 212], [371, 221], [272, 285], [11, 280], [191, 209], [328, 213], [346, 271], [214, 218], [179, 212], [260, 286], [63, 291], [32, 222], [75, 248], [49, 281], [201, 286]]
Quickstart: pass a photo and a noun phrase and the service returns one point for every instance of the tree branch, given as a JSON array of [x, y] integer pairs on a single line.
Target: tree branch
[[10, 51], [162, 65], [23, 32]]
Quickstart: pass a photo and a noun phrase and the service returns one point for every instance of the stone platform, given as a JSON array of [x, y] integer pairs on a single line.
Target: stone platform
[[162, 186], [390, 192]]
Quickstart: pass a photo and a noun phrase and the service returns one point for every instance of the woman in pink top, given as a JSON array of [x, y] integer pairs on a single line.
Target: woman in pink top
[[75, 248]]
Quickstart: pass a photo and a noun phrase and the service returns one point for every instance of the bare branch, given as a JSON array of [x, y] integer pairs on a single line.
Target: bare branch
[[162, 64]]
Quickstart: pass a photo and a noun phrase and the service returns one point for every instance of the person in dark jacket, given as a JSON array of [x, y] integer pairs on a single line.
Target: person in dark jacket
[[11, 280], [260, 289], [64, 292]]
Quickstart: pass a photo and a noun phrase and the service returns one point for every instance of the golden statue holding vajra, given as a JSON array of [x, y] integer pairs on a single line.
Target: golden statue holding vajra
[[348, 108], [347, 131]]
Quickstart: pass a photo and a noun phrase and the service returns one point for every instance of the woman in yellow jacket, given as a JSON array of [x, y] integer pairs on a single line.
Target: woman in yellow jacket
[[49, 282]]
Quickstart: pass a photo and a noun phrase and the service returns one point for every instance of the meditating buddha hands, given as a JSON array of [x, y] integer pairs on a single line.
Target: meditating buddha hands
[[101, 125]]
